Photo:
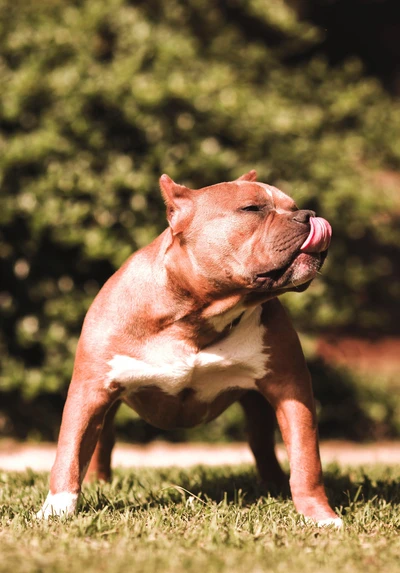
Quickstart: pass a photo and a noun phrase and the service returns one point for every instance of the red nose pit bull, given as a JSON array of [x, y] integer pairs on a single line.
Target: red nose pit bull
[[191, 324]]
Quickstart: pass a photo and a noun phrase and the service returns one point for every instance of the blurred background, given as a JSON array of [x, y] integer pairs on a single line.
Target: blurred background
[[98, 98]]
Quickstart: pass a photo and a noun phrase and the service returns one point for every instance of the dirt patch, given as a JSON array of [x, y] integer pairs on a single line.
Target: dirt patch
[[18, 457]]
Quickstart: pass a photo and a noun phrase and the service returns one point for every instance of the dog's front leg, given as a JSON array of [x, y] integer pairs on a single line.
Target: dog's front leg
[[82, 421], [296, 417], [287, 387]]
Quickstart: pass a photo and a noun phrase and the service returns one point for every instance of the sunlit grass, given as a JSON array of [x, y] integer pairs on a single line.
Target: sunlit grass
[[202, 519]]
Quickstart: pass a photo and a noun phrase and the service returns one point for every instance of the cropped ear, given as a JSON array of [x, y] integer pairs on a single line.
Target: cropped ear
[[250, 176], [179, 203]]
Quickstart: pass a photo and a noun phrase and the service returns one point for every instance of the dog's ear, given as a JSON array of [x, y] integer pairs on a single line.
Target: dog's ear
[[179, 203], [250, 176]]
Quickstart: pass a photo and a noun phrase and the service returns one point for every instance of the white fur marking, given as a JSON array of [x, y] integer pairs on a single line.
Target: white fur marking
[[234, 362], [262, 185], [221, 321], [334, 522], [63, 503], [266, 188]]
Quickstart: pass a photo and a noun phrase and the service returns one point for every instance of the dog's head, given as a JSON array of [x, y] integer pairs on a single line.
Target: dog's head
[[246, 235]]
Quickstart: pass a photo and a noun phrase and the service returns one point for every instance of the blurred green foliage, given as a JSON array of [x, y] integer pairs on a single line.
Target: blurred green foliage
[[100, 97]]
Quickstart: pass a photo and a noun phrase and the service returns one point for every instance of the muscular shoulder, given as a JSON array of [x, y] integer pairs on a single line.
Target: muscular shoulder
[[281, 339]]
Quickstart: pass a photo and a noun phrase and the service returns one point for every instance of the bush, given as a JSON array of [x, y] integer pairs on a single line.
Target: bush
[[101, 97]]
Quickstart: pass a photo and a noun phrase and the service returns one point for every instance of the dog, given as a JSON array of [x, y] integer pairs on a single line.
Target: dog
[[191, 324]]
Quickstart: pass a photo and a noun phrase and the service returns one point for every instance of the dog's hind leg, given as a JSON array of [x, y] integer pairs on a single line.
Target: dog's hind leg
[[260, 425], [100, 464]]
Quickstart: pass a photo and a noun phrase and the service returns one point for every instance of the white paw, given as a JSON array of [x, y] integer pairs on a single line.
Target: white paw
[[62, 504], [335, 522]]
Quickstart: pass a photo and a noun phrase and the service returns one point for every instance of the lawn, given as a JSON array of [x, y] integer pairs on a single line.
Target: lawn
[[201, 520]]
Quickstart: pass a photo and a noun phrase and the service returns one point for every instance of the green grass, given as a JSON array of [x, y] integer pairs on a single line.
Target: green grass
[[201, 520]]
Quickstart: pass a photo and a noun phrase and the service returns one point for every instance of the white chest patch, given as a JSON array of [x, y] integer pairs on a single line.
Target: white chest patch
[[234, 362]]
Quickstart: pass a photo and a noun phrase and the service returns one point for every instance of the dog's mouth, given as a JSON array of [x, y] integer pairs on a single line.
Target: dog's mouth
[[295, 275], [302, 267]]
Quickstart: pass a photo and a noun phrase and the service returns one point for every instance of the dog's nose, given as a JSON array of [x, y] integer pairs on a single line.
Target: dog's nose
[[303, 216]]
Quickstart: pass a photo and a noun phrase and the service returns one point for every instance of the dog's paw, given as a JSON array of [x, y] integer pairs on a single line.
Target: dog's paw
[[58, 504], [335, 522]]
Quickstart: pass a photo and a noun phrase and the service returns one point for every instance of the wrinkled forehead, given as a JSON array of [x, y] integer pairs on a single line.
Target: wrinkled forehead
[[279, 199]]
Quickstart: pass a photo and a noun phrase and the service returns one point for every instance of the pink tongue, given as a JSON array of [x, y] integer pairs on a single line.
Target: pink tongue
[[320, 236]]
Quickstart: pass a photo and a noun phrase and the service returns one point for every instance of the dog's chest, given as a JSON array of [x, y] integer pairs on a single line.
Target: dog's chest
[[236, 361]]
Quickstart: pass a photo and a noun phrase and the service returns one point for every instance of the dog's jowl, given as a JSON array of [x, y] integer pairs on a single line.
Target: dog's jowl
[[191, 324]]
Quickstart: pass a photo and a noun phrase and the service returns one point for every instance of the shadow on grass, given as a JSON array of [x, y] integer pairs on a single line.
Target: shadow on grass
[[343, 489], [340, 488], [240, 488]]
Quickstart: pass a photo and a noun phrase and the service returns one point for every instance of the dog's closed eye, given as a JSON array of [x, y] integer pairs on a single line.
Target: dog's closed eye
[[253, 208]]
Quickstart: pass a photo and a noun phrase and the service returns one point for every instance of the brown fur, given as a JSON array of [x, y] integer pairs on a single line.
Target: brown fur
[[214, 258]]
